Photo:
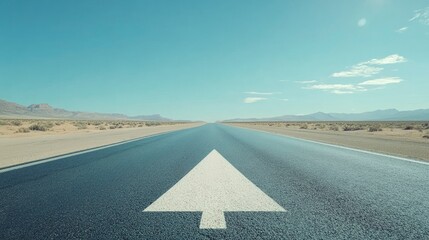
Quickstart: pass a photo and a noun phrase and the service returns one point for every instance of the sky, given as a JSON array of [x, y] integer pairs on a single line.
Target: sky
[[216, 60]]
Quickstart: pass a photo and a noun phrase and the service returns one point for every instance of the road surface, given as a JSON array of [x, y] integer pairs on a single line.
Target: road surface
[[315, 191]]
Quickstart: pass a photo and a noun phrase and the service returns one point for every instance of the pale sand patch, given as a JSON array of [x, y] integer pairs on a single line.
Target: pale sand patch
[[397, 142], [26, 147]]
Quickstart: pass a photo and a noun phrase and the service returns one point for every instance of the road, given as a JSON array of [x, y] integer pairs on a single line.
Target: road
[[327, 192]]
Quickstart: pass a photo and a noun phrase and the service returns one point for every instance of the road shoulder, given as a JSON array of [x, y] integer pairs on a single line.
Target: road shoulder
[[15, 151], [407, 148]]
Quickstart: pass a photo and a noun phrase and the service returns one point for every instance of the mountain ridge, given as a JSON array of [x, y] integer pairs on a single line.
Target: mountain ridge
[[377, 115], [44, 110]]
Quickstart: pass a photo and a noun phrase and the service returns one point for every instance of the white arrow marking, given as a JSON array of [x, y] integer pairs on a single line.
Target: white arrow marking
[[213, 187]]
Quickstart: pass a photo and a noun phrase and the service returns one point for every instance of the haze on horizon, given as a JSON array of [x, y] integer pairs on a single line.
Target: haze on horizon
[[202, 60]]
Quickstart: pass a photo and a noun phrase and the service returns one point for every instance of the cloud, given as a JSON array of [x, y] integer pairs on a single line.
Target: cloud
[[353, 88], [284, 99], [338, 88], [306, 82], [253, 99], [342, 92], [381, 81], [371, 67], [391, 59], [262, 93], [401, 30], [421, 15], [361, 22], [359, 71], [334, 87]]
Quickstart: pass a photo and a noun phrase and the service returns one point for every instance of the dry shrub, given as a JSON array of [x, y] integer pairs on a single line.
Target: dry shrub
[[375, 129], [80, 125], [39, 127], [149, 124], [334, 128], [426, 135], [23, 130], [16, 123], [352, 128], [408, 127]]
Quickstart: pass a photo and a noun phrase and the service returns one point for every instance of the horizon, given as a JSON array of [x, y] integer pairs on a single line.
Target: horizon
[[220, 120], [215, 61]]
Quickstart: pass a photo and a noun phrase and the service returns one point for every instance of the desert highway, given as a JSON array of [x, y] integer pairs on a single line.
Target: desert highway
[[217, 182]]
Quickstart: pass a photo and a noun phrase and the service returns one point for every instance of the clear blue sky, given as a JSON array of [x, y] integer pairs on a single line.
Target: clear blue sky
[[214, 60]]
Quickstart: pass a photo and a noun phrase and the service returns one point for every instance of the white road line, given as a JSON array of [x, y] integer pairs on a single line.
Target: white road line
[[213, 187], [338, 146], [36, 162]]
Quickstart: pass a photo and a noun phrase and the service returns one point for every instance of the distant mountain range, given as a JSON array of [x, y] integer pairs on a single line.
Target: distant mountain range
[[14, 110], [378, 115]]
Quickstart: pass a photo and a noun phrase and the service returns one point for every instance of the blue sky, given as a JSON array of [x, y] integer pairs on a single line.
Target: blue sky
[[214, 60]]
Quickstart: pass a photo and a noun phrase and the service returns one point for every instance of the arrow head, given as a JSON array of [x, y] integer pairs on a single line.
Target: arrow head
[[214, 186]]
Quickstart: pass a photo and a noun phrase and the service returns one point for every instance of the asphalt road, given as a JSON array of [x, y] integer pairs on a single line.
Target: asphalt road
[[328, 192]]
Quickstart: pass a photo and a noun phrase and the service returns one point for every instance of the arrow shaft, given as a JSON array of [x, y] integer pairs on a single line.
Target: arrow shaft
[[213, 220]]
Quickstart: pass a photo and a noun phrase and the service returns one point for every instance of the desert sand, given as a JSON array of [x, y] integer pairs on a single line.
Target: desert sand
[[389, 140], [21, 147]]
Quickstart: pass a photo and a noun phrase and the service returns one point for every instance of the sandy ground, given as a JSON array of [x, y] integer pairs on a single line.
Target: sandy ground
[[389, 141], [18, 148]]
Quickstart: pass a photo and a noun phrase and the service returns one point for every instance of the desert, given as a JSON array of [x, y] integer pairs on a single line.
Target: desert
[[400, 138], [27, 140]]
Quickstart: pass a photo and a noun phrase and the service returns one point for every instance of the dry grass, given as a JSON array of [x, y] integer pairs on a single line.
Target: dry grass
[[47, 126], [426, 135]]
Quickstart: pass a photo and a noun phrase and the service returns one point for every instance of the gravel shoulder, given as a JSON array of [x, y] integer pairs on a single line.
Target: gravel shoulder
[[402, 146]]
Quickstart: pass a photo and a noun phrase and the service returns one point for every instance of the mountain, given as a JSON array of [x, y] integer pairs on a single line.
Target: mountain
[[384, 115], [420, 114], [9, 108], [43, 110], [378, 115], [374, 115], [155, 117]]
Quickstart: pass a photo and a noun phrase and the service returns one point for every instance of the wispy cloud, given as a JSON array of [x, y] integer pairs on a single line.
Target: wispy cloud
[[358, 71], [421, 15], [335, 87], [258, 99], [391, 59], [371, 67], [306, 82], [262, 93], [361, 22], [381, 81], [401, 30], [353, 88], [253, 99], [342, 92], [284, 99], [339, 88]]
